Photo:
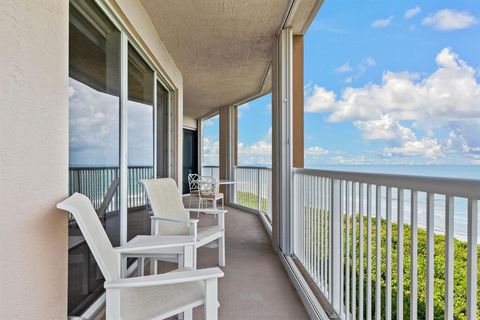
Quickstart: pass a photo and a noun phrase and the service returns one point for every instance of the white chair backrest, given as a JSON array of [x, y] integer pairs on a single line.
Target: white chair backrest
[[208, 185], [166, 201], [193, 179], [82, 210]]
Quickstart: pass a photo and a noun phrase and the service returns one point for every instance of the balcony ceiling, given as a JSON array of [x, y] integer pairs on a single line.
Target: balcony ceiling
[[223, 48]]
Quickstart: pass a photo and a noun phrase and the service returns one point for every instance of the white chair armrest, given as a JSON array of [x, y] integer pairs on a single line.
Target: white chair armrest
[[174, 219], [207, 211], [166, 278], [151, 243]]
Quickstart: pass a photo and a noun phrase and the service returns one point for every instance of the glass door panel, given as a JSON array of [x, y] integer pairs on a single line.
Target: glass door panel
[[140, 141], [94, 140]]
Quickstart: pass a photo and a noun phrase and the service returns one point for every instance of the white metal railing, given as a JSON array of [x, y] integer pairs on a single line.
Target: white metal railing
[[213, 171], [253, 188], [397, 272]]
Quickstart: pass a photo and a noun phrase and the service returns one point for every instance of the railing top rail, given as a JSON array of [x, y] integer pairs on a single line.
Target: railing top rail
[[467, 188], [253, 167], [105, 168]]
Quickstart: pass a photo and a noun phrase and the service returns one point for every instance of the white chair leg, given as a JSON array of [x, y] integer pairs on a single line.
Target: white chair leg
[[113, 304], [211, 299], [188, 315], [153, 266], [141, 267], [221, 250], [190, 201]]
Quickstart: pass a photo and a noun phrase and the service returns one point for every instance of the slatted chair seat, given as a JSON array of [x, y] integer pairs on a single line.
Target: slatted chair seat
[[158, 296], [149, 302]]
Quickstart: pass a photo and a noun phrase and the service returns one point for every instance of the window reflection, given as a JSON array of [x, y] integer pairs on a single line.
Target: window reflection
[[94, 139]]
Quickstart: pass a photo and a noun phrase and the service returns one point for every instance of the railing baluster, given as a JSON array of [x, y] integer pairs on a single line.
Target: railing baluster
[[369, 252], [354, 250], [348, 187], [360, 251], [413, 254], [335, 241], [388, 247], [378, 232], [316, 213], [430, 256], [472, 276], [449, 225], [400, 242]]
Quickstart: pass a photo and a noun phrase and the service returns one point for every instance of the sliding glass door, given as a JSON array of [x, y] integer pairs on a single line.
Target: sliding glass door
[[94, 134], [140, 140], [107, 124]]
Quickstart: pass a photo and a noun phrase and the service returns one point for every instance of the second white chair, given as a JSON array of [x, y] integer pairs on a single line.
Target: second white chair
[[171, 218]]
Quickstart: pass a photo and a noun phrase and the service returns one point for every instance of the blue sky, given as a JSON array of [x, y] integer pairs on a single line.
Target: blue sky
[[387, 63], [385, 83]]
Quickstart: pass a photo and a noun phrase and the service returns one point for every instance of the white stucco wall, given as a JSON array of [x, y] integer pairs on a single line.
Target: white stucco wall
[[33, 159], [34, 149]]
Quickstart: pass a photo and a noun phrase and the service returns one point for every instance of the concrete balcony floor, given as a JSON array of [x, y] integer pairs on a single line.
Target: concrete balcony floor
[[256, 285]]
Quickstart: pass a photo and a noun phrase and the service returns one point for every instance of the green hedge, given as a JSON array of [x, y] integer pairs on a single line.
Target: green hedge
[[460, 271]]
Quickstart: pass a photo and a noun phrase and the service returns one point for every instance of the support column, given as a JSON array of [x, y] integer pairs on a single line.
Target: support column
[[298, 140], [227, 148], [282, 106]]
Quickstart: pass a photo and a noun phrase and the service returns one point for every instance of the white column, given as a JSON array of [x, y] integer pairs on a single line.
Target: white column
[[282, 106]]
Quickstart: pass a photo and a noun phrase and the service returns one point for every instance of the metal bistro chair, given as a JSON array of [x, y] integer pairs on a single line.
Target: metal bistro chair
[[193, 185], [208, 192]]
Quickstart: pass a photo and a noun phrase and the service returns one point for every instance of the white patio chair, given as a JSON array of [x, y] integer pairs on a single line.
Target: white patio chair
[[148, 297], [193, 186], [171, 218], [208, 192]]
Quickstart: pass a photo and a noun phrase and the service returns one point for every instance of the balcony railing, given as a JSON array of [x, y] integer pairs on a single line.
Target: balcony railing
[[417, 266], [95, 181], [253, 187], [212, 171]]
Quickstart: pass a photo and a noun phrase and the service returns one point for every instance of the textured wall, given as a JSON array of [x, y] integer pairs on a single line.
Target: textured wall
[[33, 158]]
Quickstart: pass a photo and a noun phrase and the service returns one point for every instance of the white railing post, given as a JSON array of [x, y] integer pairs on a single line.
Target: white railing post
[[258, 190], [335, 245], [472, 259]]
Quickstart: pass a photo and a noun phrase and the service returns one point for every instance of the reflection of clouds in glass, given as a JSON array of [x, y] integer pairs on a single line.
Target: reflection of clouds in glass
[[140, 134], [94, 126]]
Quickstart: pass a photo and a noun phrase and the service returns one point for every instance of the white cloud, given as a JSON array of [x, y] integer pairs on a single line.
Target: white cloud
[[316, 151], [382, 23], [427, 147], [344, 68], [412, 12], [446, 99], [447, 19], [456, 142], [321, 100], [211, 151], [385, 129], [450, 93], [257, 153]]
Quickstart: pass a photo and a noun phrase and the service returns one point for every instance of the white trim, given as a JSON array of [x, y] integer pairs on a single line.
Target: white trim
[[155, 125], [123, 172], [309, 300]]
